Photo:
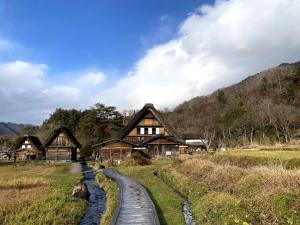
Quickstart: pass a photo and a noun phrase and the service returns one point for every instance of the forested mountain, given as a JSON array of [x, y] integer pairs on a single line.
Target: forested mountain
[[264, 108], [10, 128]]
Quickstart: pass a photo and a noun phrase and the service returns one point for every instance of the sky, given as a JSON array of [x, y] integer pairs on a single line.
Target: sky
[[74, 53]]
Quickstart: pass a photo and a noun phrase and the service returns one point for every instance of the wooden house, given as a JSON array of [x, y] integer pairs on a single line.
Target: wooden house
[[28, 148], [62, 145], [114, 149], [147, 132]]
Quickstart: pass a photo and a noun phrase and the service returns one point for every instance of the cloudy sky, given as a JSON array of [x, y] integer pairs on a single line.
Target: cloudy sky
[[72, 54]]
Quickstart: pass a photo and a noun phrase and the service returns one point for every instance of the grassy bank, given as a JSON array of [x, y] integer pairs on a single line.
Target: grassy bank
[[227, 194], [168, 204], [34, 193], [112, 195], [249, 158]]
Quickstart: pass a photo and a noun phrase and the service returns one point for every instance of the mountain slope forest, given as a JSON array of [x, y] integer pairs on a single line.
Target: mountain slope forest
[[10, 128], [264, 108]]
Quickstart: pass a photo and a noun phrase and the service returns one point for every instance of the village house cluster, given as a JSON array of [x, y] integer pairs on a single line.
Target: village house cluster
[[146, 132], [61, 145], [150, 133]]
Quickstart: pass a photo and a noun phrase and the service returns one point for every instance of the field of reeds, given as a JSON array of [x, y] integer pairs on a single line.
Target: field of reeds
[[38, 193], [241, 187]]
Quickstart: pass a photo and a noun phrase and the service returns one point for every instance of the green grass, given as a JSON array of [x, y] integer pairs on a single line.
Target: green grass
[[112, 195], [168, 204], [48, 201], [248, 158]]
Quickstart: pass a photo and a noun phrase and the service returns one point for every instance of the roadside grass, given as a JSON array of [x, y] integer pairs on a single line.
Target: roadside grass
[[167, 202], [37, 193], [229, 194], [112, 196], [249, 158]]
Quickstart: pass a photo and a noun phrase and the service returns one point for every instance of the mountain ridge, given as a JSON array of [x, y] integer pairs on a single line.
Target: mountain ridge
[[8, 128]]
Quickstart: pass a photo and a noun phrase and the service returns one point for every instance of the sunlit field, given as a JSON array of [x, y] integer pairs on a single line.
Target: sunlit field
[[38, 193], [248, 158]]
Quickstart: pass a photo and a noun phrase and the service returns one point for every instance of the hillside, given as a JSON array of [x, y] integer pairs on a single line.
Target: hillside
[[263, 108], [10, 128]]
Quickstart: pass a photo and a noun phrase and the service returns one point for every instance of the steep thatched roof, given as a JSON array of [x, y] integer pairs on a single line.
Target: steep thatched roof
[[60, 130], [140, 115], [33, 139]]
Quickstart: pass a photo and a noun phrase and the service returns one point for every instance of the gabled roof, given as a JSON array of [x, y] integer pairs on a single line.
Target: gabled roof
[[114, 141], [34, 140], [169, 138], [140, 115], [60, 130]]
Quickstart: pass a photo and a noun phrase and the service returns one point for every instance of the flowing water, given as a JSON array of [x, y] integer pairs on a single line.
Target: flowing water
[[97, 199], [188, 216]]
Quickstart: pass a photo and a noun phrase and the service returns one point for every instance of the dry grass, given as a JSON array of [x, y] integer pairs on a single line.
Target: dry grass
[[38, 194], [222, 193], [23, 183], [220, 177], [250, 158]]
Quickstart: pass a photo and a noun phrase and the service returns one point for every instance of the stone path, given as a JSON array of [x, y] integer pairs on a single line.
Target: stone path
[[97, 199], [135, 206]]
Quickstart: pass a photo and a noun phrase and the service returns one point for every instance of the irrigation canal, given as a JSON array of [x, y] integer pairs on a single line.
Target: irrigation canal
[[97, 199]]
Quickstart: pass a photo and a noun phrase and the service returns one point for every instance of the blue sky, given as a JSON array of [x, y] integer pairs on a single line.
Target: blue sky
[[70, 35], [73, 54]]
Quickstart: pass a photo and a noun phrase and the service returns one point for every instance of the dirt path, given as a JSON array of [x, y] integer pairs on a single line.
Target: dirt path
[[135, 206]]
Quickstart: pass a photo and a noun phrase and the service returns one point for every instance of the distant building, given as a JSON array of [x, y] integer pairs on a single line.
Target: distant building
[[28, 148], [62, 145], [147, 132], [5, 153], [195, 142]]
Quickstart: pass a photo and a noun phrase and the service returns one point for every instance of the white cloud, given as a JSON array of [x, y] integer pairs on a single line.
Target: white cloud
[[216, 46], [25, 96], [90, 79]]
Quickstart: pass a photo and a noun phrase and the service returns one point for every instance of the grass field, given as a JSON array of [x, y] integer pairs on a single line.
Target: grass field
[[248, 158], [224, 192], [34, 193], [168, 204], [284, 155]]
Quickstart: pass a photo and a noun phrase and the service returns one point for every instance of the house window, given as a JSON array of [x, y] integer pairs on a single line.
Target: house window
[[153, 130], [26, 142], [157, 130], [28, 146], [146, 130], [150, 130], [138, 130], [142, 130], [23, 146]]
